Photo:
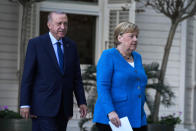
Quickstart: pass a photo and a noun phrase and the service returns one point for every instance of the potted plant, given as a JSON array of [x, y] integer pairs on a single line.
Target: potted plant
[[166, 122], [12, 121]]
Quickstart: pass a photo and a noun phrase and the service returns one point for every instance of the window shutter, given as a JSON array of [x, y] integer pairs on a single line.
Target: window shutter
[[116, 16]]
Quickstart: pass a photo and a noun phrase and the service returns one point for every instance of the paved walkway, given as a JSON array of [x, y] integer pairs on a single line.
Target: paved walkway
[[73, 125]]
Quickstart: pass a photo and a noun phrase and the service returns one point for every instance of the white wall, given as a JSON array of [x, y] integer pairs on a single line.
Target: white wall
[[190, 74], [8, 53]]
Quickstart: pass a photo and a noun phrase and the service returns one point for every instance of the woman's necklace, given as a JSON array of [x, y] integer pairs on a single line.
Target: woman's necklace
[[127, 58]]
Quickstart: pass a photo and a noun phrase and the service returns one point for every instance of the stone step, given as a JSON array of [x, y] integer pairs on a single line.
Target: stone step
[[73, 125]]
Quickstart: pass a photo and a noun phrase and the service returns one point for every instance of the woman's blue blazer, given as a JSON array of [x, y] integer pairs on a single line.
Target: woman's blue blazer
[[120, 88]]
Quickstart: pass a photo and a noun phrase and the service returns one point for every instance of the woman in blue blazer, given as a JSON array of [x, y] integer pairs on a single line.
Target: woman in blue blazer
[[121, 82]]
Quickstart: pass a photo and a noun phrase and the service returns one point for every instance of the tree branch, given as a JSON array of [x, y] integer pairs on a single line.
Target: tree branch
[[190, 14], [187, 6]]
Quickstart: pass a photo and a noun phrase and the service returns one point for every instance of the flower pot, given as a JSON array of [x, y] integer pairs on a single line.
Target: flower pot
[[160, 127], [15, 125]]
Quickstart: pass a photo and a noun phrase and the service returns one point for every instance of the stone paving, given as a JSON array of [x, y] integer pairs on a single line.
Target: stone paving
[[73, 125]]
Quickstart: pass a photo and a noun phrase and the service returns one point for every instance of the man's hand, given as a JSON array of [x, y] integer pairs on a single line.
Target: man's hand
[[24, 112], [83, 110], [113, 116]]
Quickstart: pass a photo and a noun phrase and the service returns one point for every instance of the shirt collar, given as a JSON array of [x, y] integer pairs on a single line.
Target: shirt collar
[[54, 40]]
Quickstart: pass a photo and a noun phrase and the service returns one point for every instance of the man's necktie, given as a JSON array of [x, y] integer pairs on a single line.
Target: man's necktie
[[60, 56]]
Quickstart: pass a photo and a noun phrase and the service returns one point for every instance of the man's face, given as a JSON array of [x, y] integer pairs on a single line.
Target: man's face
[[58, 25]]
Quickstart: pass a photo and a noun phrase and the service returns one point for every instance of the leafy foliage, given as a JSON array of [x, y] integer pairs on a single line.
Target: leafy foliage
[[167, 120], [5, 113], [170, 120]]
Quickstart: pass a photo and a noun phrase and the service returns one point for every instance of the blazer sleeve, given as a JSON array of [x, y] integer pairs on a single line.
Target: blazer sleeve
[[78, 86], [104, 81], [28, 74]]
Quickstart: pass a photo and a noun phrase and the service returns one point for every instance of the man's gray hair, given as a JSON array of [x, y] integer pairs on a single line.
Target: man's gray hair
[[54, 12]]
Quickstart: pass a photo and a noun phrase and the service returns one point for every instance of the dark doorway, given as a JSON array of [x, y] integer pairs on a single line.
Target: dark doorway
[[81, 30]]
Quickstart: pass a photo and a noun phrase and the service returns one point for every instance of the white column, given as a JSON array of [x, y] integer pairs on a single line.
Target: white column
[[183, 67]]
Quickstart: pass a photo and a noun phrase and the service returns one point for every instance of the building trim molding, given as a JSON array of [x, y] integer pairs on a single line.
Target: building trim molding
[[72, 8]]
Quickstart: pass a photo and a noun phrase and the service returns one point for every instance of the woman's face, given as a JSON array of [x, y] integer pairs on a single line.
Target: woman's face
[[128, 41]]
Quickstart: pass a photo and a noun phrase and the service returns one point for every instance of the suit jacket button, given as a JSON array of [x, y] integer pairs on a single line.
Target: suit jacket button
[[135, 71], [139, 96], [138, 87]]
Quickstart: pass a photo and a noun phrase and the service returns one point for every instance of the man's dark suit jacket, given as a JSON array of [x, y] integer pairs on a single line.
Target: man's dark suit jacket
[[44, 87]]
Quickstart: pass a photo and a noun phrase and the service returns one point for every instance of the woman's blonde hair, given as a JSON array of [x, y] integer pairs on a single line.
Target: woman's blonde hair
[[124, 27]]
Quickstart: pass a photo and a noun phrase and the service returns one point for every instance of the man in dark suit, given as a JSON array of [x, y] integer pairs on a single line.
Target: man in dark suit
[[51, 76]]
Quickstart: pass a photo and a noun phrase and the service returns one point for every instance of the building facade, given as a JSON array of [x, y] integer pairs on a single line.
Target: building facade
[[91, 25]]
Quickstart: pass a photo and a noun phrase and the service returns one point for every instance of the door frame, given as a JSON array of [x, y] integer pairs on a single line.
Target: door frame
[[81, 8]]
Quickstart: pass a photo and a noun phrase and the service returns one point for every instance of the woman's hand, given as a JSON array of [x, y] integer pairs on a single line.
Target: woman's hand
[[113, 117]]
